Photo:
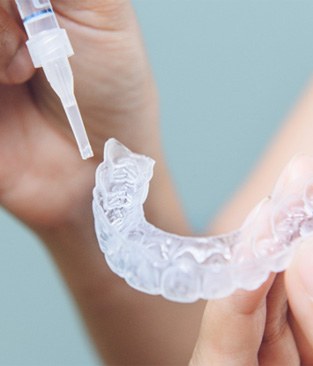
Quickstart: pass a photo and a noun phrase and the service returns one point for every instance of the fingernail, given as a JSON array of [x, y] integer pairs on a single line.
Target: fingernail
[[282, 179], [298, 163], [20, 67], [305, 266], [297, 171], [256, 211]]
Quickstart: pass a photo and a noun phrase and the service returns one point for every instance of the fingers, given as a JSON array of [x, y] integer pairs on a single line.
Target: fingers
[[299, 286], [304, 348], [278, 344], [251, 328], [15, 63], [232, 329]]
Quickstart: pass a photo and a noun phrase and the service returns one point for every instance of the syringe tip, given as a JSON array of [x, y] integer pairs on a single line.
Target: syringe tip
[[76, 122], [86, 153]]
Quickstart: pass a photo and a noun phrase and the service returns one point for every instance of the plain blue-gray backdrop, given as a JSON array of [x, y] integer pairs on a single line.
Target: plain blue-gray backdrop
[[228, 72]]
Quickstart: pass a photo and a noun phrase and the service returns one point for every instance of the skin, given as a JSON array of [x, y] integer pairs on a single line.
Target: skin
[[287, 306], [272, 325], [39, 158], [117, 97]]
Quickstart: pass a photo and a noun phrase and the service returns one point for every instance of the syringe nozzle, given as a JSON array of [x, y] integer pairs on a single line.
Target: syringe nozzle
[[76, 122], [60, 76], [49, 47]]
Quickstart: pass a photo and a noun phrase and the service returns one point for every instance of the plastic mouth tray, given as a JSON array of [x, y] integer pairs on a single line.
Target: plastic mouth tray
[[185, 269]]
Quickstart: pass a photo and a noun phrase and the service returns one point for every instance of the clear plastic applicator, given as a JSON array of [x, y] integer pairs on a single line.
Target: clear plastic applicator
[[49, 48]]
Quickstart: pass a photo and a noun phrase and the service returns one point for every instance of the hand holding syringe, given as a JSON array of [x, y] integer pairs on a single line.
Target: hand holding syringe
[[49, 48]]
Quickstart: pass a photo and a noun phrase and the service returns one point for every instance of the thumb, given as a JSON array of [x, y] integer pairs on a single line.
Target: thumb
[[232, 329], [299, 286]]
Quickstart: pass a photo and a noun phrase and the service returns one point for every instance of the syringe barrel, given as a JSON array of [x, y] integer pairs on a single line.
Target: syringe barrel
[[46, 40], [37, 16]]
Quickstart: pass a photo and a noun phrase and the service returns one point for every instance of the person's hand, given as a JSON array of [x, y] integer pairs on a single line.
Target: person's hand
[[267, 327], [45, 183], [43, 180], [272, 326]]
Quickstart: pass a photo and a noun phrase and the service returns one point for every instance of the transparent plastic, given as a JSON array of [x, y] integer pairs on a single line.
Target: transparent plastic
[[49, 48], [185, 269]]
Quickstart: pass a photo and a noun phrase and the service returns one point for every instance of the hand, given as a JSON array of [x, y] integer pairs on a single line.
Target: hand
[[43, 180], [271, 326], [45, 183]]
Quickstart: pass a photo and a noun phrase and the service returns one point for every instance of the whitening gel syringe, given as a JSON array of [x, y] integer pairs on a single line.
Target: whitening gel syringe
[[49, 48]]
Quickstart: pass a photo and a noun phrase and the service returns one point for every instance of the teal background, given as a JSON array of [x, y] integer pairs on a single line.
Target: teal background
[[228, 73]]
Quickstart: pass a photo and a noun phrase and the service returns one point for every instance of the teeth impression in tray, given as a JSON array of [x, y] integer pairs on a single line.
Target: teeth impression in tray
[[186, 269]]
